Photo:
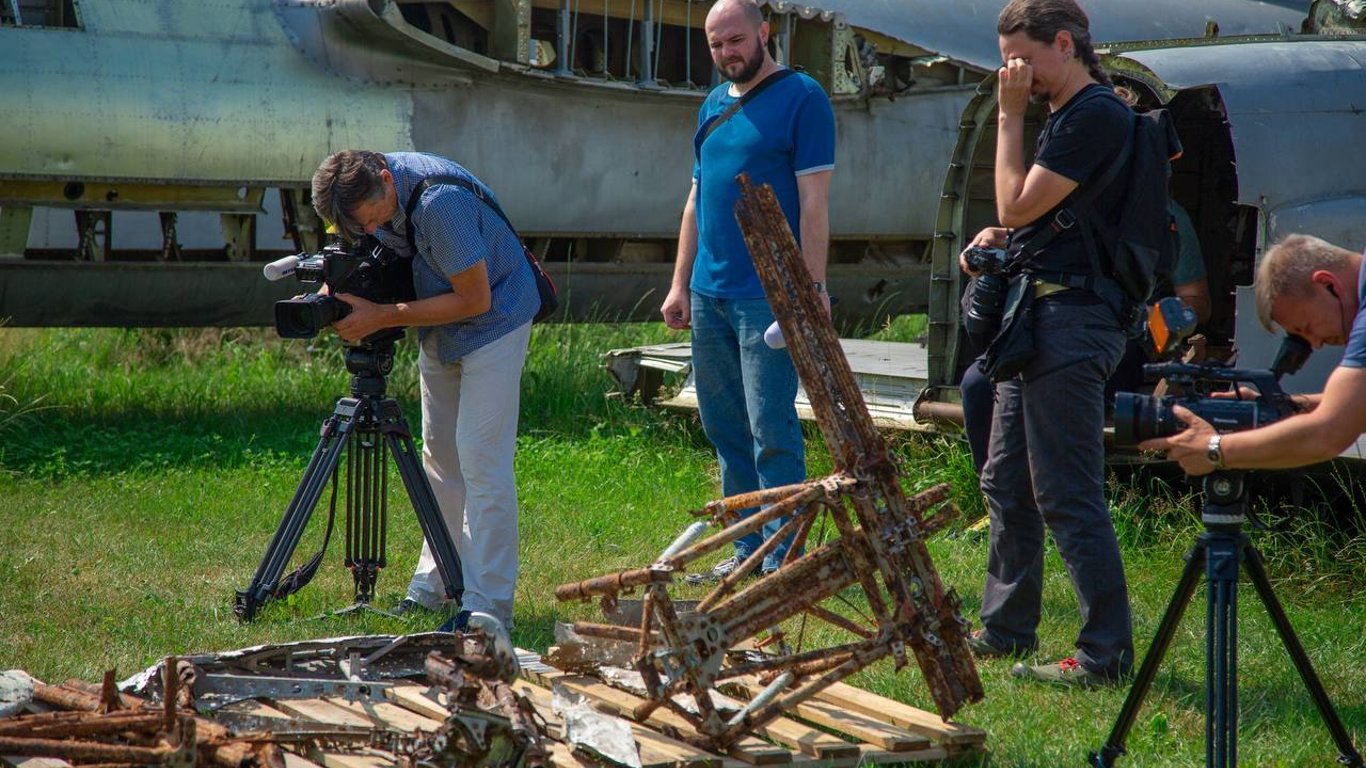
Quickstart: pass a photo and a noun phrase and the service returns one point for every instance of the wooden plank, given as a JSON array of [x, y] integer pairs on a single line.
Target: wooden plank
[[873, 756], [323, 712], [413, 697], [798, 736], [353, 760], [387, 714], [293, 760], [861, 727], [19, 761], [901, 715], [750, 749], [655, 747]]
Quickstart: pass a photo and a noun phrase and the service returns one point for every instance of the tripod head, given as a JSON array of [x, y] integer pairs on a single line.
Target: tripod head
[[1225, 500], [370, 360]]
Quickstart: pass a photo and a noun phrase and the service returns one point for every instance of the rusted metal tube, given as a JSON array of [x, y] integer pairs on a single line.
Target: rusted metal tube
[[607, 631], [611, 584], [786, 506], [752, 499], [742, 570], [90, 725], [930, 411], [827, 615], [84, 750]]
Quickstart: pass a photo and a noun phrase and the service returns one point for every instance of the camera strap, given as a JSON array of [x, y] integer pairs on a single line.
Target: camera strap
[[744, 99], [1068, 216], [545, 287]]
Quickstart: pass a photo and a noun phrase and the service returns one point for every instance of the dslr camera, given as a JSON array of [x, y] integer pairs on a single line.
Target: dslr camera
[[1143, 417], [365, 268], [988, 302]]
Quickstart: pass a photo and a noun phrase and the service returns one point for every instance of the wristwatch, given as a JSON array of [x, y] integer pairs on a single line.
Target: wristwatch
[[818, 285], [1213, 453]]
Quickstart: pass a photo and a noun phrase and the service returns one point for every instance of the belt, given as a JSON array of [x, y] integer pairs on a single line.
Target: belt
[[1043, 288]]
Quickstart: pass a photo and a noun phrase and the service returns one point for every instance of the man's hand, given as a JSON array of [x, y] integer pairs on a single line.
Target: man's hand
[[677, 309], [1015, 80], [1187, 448], [366, 317], [991, 237]]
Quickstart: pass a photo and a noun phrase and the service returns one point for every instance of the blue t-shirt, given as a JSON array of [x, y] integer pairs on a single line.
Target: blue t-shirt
[[455, 231], [786, 131], [1354, 356]]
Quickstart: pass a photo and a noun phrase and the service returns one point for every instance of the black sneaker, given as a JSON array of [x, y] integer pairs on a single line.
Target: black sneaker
[[984, 647], [407, 606], [718, 572], [460, 622]]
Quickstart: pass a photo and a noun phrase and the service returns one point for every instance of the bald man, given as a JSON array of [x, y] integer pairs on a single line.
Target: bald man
[[777, 126]]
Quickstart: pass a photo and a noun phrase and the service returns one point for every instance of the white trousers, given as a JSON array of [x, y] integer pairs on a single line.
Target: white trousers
[[469, 437]]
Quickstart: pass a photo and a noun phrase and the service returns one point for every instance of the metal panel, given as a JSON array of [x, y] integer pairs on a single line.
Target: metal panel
[[578, 158], [966, 29], [1294, 108], [193, 92]]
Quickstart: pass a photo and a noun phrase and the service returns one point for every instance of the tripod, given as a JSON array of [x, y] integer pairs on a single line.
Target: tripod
[[1221, 549], [370, 426]]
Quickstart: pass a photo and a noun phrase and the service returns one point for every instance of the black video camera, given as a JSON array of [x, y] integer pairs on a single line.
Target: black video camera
[[1142, 417], [365, 268], [987, 304]]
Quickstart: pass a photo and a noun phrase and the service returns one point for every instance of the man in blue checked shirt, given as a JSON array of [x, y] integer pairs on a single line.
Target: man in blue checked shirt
[[475, 300], [782, 134]]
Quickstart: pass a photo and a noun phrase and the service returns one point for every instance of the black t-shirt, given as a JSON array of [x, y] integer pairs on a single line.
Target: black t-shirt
[[1079, 141]]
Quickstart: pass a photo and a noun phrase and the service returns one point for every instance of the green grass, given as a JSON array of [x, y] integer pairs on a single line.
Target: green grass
[[145, 488]]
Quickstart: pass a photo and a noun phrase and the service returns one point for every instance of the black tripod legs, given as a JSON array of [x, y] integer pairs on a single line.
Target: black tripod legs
[[1147, 671], [266, 582], [372, 426], [434, 530], [1221, 553], [1347, 753]]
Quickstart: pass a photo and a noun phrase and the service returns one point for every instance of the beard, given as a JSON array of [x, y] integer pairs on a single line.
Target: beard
[[748, 67]]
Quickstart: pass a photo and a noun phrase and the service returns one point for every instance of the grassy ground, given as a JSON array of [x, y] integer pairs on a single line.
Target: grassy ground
[[142, 474]]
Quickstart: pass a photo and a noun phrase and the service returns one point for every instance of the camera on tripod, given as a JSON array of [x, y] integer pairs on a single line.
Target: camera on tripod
[[988, 303], [1143, 417], [366, 268]]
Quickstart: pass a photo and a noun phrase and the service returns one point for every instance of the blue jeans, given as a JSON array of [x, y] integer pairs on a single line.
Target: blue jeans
[[745, 394]]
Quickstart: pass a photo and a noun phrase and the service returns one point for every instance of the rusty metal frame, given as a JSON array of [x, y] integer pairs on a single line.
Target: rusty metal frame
[[878, 546]]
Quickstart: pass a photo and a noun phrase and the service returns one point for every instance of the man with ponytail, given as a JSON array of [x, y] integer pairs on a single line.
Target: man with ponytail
[[1045, 461]]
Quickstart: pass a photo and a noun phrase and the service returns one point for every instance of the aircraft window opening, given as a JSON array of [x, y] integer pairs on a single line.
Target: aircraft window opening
[[39, 13]]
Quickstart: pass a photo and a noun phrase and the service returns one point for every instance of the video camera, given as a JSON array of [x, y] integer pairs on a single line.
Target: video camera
[[1143, 417], [366, 268]]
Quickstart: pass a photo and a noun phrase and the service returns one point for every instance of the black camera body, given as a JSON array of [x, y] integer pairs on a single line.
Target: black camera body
[[987, 304], [366, 268], [1143, 417]]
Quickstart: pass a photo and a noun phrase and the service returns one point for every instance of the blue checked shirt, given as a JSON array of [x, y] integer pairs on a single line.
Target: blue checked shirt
[[455, 231]]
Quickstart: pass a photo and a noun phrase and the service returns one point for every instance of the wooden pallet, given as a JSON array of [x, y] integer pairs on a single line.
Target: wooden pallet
[[841, 727]]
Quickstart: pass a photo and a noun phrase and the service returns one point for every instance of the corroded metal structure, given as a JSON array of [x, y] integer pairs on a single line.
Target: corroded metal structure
[[861, 530]]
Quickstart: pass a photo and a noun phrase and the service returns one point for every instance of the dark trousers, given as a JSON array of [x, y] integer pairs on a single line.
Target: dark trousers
[[979, 401], [1046, 466]]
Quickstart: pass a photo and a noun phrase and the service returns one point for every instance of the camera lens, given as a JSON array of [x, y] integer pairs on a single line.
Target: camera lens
[[304, 318], [1137, 418], [988, 304]]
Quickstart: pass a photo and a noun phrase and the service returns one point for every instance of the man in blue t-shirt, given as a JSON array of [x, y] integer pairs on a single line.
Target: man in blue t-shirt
[[1317, 291], [783, 135]]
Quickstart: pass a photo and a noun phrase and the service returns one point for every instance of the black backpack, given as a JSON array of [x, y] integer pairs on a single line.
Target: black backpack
[[1139, 249]]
